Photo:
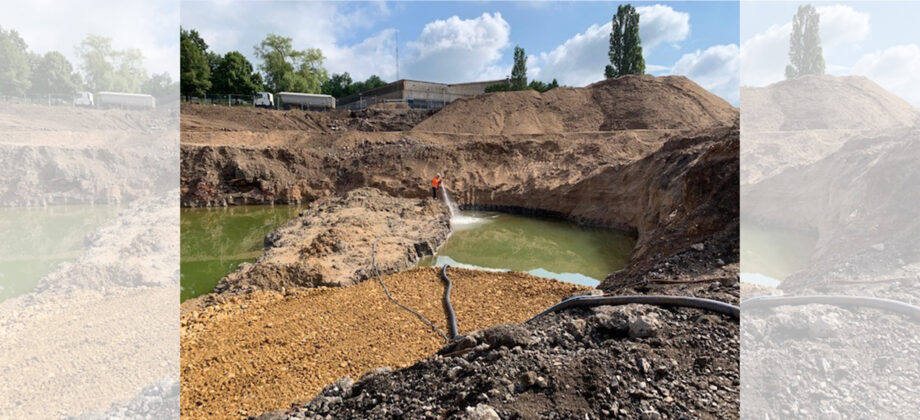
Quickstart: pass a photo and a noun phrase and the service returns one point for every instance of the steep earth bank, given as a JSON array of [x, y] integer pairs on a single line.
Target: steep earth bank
[[56, 155], [264, 350]]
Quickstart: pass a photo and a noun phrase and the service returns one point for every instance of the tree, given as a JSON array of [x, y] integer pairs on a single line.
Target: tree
[[625, 45], [194, 70], [108, 69], [542, 86], [160, 85], [233, 75], [52, 74], [287, 69], [339, 85], [14, 64], [519, 71], [805, 53]]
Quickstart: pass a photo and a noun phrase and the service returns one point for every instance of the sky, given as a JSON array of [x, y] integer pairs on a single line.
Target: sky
[[149, 26], [879, 40], [469, 41]]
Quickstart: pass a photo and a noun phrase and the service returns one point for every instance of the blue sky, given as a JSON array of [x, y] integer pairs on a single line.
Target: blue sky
[[879, 40], [467, 41]]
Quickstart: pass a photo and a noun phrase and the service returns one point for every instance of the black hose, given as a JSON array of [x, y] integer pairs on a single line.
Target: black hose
[[904, 308], [658, 300], [448, 308]]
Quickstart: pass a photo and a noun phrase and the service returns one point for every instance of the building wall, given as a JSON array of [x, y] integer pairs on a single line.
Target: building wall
[[417, 94]]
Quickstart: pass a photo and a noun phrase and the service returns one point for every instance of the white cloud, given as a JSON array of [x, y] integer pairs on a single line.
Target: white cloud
[[764, 56], [580, 60], [151, 27], [459, 50], [897, 69], [716, 69], [659, 24]]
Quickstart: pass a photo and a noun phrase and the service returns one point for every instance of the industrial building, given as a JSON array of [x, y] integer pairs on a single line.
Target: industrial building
[[416, 94]]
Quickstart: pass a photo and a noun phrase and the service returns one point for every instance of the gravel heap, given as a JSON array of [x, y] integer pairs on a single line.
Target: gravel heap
[[632, 361]]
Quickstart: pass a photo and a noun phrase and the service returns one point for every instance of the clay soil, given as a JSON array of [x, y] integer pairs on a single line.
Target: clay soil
[[287, 348]]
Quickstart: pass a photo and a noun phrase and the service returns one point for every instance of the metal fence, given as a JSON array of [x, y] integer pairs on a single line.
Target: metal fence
[[56, 100], [217, 99]]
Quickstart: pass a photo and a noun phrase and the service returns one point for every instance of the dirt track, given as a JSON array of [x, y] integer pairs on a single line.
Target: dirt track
[[286, 348]]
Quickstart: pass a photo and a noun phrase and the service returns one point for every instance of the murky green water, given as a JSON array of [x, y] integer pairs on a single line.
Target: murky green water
[[34, 241], [542, 247], [769, 255], [216, 240]]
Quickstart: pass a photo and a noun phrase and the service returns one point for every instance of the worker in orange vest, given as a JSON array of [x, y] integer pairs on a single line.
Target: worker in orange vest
[[435, 186]]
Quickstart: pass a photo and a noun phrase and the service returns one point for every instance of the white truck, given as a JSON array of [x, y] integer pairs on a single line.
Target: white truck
[[125, 100], [264, 100], [83, 99], [288, 100]]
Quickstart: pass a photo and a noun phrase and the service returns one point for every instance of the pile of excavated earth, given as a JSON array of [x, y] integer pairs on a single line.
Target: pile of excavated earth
[[98, 330], [834, 156], [655, 156]]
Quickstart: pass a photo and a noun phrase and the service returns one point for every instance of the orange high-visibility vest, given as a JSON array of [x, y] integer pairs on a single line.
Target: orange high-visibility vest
[[436, 182]]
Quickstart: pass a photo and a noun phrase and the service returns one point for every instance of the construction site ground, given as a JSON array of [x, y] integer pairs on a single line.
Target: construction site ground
[[286, 348]]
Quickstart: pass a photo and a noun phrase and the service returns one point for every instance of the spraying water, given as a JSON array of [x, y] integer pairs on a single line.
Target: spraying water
[[456, 218], [451, 204]]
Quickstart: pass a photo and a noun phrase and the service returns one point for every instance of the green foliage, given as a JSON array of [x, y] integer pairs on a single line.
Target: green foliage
[[234, 75], [341, 85], [14, 64], [108, 69], [542, 86], [499, 87], [52, 74], [194, 70], [160, 85], [805, 53], [519, 71], [290, 70], [533, 85], [625, 45]]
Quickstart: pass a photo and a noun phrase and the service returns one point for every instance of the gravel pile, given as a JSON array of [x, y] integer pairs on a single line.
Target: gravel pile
[[632, 361]]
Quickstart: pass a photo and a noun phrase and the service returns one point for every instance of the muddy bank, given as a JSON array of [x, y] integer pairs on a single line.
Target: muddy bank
[[673, 188], [262, 351], [610, 362], [331, 242], [98, 330]]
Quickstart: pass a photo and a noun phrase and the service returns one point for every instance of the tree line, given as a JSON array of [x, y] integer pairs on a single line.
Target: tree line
[[101, 68], [282, 69]]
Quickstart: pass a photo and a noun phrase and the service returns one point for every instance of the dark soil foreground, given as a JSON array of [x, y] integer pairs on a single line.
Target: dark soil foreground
[[629, 362]]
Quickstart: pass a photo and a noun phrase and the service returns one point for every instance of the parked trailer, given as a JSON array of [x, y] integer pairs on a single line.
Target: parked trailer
[[125, 100], [264, 100], [288, 100]]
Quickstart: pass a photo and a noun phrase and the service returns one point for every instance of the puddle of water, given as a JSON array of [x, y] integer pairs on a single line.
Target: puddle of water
[[34, 241], [216, 240], [769, 255], [542, 247]]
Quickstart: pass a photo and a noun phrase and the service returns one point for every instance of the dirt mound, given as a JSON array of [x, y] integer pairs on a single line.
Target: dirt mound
[[331, 242], [624, 103], [208, 118], [17, 118], [262, 351], [611, 362], [824, 102]]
